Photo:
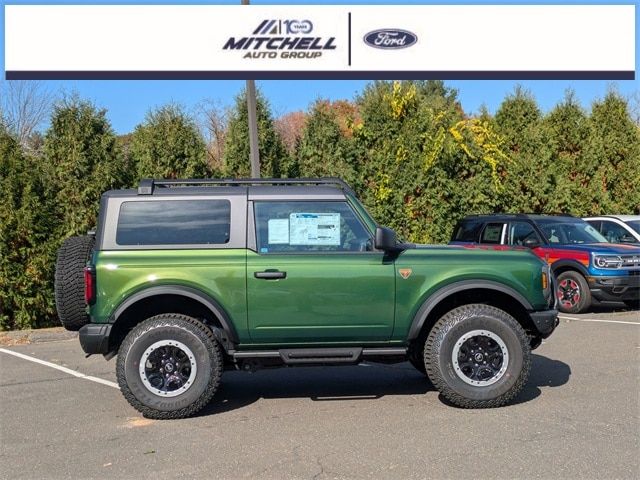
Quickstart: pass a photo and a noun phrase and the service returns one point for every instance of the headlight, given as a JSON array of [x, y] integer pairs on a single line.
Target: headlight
[[607, 261]]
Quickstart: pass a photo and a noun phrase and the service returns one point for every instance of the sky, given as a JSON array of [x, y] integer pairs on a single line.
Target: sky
[[127, 102]]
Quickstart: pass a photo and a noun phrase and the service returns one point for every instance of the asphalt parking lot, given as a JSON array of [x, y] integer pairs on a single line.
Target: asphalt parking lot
[[578, 417]]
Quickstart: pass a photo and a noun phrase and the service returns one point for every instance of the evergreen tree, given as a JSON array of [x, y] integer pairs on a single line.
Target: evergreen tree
[[168, 144], [613, 157], [28, 224], [528, 180], [274, 160], [82, 151], [570, 173], [324, 150]]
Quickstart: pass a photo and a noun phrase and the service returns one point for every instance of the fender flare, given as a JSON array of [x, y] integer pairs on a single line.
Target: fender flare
[[435, 298], [192, 293], [573, 264]]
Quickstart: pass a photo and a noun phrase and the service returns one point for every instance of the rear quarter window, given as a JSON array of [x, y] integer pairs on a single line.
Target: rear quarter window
[[492, 233], [174, 222], [467, 231]]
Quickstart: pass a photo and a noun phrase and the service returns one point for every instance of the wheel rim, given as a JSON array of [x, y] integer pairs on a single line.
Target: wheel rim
[[569, 293], [480, 358], [168, 368]]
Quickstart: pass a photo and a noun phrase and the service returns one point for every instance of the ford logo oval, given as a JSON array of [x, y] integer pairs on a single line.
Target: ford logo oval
[[390, 38]]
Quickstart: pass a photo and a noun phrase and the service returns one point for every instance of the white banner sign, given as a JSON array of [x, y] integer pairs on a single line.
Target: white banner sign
[[320, 41]]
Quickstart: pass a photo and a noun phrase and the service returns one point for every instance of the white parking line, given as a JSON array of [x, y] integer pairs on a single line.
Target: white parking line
[[574, 319], [62, 369]]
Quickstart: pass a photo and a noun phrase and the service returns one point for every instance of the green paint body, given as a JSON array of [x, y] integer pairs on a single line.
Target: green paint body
[[326, 298]]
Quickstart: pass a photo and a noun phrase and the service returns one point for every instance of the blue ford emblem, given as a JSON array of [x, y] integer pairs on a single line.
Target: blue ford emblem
[[391, 38]]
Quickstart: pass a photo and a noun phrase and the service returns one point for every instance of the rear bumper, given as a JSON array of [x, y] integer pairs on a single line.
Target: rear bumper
[[94, 337], [545, 321], [615, 289]]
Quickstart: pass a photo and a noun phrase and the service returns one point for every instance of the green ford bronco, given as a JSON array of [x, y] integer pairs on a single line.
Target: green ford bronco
[[186, 278]]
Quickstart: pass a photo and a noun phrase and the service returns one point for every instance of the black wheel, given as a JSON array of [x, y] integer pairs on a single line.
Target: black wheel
[[478, 356], [169, 366], [572, 292], [69, 281]]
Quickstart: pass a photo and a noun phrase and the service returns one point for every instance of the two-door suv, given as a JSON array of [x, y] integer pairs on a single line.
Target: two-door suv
[[589, 269], [186, 278]]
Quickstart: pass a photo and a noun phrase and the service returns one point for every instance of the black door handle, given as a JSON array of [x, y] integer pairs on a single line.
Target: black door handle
[[270, 274]]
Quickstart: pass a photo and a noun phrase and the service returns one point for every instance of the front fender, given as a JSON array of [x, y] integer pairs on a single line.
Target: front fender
[[569, 264], [444, 292]]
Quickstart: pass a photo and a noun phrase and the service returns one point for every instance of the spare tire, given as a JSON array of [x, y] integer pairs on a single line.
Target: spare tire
[[69, 281]]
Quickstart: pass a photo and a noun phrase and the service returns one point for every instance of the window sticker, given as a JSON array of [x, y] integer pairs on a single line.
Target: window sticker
[[492, 233], [278, 231], [314, 229]]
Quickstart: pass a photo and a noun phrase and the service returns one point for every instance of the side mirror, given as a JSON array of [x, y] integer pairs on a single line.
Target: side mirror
[[531, 243], [385, 239]]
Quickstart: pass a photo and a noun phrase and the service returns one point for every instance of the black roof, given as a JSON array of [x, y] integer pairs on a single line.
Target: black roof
[[520, 216]]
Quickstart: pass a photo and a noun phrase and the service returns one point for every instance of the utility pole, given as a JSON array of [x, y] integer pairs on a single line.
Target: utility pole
[[253, 124]]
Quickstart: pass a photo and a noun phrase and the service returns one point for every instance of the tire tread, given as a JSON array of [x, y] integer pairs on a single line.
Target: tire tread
[[69, 281], [180, 321], [436, 338]]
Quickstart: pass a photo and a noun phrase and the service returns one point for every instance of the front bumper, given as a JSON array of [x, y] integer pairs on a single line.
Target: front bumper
[[94, 337], [545, 321], [615, 289]]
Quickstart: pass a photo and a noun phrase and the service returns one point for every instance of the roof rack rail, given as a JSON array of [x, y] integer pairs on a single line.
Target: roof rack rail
[[550, 214], [520, 214], [147, 185]]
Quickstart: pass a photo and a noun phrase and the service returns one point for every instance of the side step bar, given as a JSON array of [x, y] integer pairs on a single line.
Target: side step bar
[[296, 356], [339, 355]]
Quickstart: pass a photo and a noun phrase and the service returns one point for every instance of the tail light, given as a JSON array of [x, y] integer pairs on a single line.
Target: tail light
[[89, 285]]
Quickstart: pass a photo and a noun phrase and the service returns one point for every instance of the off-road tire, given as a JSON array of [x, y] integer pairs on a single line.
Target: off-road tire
[[192, 333], [69, 281], [584, 301], [453, 326]]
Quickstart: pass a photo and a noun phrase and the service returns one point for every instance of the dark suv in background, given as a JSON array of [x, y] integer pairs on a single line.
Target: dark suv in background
[[588, 268]]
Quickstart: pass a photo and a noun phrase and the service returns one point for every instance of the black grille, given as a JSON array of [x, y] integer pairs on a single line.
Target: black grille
[[630, 261]]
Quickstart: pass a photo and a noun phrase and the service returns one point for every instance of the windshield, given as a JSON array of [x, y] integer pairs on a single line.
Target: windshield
[[366, 216], [571, 232], [635, 224]]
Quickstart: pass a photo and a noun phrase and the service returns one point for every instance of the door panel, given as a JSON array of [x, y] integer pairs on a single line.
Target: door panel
[[324, 298], [315, 277]]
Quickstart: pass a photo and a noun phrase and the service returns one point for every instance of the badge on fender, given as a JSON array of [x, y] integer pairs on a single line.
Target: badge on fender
[[405, 272]]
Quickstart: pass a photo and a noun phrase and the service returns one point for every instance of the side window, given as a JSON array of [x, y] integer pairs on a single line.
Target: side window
[[468, 231], [309, 227], [554, 233], [492, 233], [613, 232], [174, 222], [597, 224], [521, 232]]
